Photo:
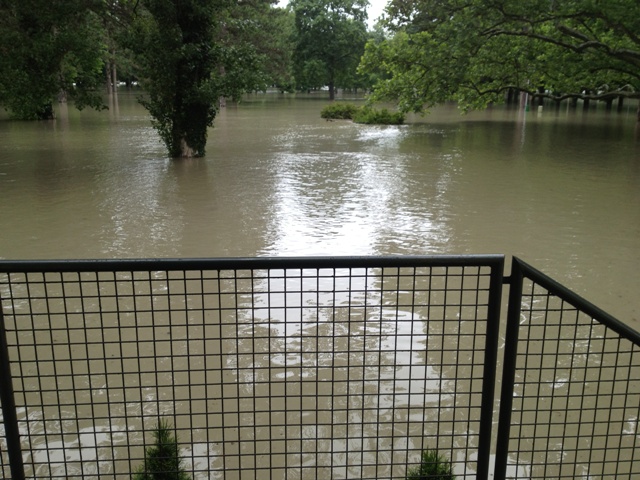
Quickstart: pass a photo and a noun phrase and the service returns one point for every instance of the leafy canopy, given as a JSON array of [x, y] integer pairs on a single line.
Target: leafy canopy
[[49, 50], [329, 41], [473, 51]]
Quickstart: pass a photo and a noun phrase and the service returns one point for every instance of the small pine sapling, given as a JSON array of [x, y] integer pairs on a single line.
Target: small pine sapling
[[162, 460], [433, 466]]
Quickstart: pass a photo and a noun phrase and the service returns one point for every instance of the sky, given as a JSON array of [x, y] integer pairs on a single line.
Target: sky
[[376, 7]]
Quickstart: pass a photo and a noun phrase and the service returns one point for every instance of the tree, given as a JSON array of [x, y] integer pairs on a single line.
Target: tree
[[278, 48], [178, 61], [192, 53], [117, 17], [49, 51], [162, 460], [330, 38], [475, 51], [257, 51]]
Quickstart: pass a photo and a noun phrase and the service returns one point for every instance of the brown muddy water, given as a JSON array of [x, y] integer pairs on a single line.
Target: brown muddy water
[[559, 189]]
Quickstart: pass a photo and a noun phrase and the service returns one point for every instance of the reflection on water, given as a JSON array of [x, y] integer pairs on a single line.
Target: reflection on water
[[559, 189]]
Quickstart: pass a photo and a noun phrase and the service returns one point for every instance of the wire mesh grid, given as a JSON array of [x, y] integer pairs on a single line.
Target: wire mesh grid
[[4, 458], [289, 373], [576, 398]]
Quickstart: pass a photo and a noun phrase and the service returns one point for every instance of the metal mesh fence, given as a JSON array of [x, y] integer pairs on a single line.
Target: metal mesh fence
[[4, 458], [279, 370], [576, 392]]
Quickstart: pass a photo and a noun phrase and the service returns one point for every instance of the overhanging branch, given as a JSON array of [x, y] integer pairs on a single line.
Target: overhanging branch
[[625, 55], [624, 92]]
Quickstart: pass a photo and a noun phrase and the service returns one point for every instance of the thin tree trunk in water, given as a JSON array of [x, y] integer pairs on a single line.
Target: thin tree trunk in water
[[332, 84], [107, 72], [586, 101], [111, 73], [608, 104], [114, 75]]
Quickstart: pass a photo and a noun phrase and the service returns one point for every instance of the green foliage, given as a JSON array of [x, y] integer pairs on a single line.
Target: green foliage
[[474, 51], [187, 54], [366, 114], [374, 116], [432, 466], [329, 40], [339, 111], [281, 26], [49, 50], [192, 53], [178, 69], [255, 51], [162, 460]]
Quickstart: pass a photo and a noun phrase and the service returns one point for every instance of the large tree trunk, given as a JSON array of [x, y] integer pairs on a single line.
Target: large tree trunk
[[185, 150], [189, 129]]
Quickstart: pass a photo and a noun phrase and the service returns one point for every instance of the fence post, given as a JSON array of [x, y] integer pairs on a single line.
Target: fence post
[[509, 369], [490, 366], [7, 399]]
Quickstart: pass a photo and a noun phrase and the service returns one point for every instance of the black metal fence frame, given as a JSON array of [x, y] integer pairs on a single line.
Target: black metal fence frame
[[569, 309], [495, 264]]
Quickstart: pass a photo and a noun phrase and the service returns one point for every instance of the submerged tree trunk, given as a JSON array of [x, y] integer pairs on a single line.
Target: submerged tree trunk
[[332, 83], [114, 75], [46, 112], [188, 136], [185, 150], [586, 102], [107, 72], [608, 104], [180, 97]]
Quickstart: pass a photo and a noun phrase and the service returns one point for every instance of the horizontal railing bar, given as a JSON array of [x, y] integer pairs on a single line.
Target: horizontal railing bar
[[246, 263], [578, 302]]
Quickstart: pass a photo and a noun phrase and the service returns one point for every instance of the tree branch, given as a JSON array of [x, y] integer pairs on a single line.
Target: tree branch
[[625, 55]]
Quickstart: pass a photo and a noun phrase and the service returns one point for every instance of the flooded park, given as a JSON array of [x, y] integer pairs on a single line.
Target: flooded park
[[327, 376], [557, 188]]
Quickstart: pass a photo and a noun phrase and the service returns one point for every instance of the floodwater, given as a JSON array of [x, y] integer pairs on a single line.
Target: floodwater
[[559, 189]]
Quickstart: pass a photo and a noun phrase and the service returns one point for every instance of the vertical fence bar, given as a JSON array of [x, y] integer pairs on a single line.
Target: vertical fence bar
[[509, 369], [9, 415], [490, 365]]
